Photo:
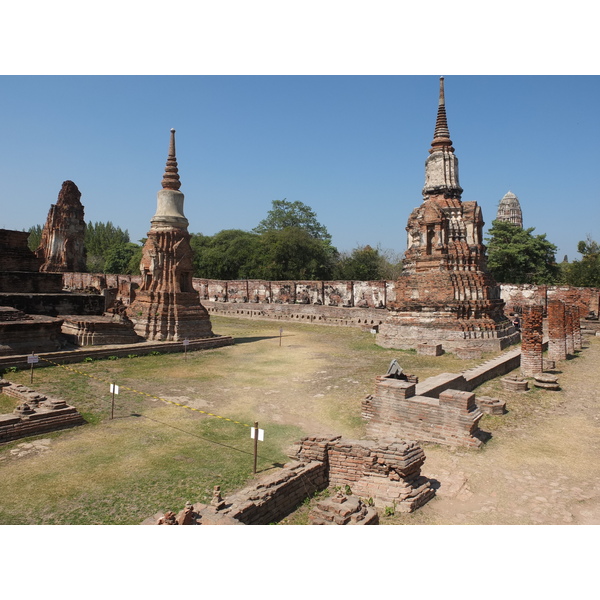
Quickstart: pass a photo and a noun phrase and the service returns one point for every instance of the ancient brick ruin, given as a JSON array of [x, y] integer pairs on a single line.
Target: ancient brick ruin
[[532, 341], [388, 473], [509, 210], [343, 509], [395, 411], [62, 245], [35, 414], [557, 333], [167, 307], [445, 294]]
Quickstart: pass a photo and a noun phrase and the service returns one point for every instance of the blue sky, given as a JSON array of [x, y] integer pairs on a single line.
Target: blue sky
[[351, 147]]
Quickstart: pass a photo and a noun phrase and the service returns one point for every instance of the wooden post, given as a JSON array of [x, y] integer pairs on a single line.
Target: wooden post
[[255, 444], [112, 407], [280, 334], [31, 378]]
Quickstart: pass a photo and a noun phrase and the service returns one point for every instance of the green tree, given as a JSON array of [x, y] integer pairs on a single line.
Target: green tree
[[35, 237], [292, 253], [118, 258], [362, 264], [284, 215], [229, 254], [99, 239], [365, 263], [584, 272], [515, 255]]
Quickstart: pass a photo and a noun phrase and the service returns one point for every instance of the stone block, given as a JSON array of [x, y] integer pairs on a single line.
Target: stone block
[[427, 349]]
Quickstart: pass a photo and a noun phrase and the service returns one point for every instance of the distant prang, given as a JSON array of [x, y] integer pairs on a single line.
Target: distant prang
[[509, 210]]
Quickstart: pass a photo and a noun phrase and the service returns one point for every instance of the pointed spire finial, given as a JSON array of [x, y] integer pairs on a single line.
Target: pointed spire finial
[[170, 179], [441, 135]]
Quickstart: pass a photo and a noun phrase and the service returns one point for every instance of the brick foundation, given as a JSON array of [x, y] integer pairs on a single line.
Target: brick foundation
[[394, 411], [36, 415]]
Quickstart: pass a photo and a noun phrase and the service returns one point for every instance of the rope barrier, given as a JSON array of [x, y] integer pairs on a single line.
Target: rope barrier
[[144, 393]]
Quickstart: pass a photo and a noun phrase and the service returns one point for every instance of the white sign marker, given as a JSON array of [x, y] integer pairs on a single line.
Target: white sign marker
[[32, 359], [114, 389], [261, 434]]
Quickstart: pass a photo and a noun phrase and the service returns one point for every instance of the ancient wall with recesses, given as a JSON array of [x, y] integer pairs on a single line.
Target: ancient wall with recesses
[[321, 295], [516, 297]]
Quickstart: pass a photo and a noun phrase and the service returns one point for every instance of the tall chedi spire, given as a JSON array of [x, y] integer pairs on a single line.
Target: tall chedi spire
[[167, 307], [441, 166], [445, 294], [169, 206]]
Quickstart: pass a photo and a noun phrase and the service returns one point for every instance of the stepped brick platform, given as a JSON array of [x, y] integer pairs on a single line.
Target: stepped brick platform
[[99, 330], [35, 415], [21, 333]]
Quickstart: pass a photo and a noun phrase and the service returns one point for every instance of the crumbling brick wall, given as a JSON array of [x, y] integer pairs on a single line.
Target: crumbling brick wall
[[394, 411], [387, 472], [276, 495]]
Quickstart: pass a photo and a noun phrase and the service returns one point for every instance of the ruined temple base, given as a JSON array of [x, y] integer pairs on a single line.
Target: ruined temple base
[[169, 316], [99, 330], [408, 331], [23, 334]]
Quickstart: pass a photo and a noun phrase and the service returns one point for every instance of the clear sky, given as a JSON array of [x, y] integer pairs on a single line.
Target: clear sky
[[351, 147]]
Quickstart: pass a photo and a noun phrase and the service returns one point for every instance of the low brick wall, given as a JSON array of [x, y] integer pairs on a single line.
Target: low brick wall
[[394, 411], [144, 348], [276, 495], [36, 415]]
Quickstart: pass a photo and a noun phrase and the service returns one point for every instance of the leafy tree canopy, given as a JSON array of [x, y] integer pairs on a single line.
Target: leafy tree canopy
[[515, 255], [284, 215], [292, 253], [229, 254], [99, 239], [584, 272], [121, 259]]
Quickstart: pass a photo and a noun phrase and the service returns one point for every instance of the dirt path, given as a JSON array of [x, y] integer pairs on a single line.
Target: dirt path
[[541, 470]]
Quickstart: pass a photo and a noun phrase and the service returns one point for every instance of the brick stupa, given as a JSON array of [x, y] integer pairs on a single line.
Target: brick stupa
[[166, 307], [62, 247], [445, 294]]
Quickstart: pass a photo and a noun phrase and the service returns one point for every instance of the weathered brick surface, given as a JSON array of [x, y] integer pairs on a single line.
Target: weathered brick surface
[[393, 411], [15, 255], [62, 245], [167, 307], [557, 344], [386, 471], [532, 341], [569, 329], [36, 415]]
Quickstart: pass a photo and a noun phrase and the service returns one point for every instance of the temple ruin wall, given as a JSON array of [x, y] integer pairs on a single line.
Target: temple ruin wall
[[329, 300]]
